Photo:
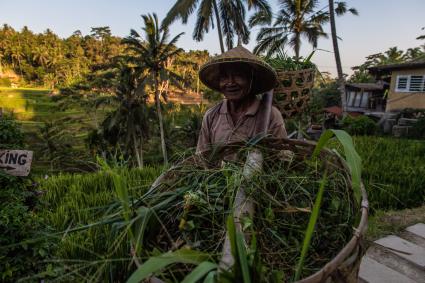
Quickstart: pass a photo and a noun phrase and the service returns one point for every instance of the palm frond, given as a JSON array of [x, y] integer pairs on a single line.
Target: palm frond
[[181, 9], [203, 20]]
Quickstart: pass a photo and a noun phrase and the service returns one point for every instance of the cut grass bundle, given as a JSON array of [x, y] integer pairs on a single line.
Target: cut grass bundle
[[189, 210]]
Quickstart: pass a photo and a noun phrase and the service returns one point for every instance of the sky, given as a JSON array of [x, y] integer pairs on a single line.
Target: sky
[[381, 24]]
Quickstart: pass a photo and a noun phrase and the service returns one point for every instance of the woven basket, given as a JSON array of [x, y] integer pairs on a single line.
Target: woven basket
[[293, 91], [344, 267]]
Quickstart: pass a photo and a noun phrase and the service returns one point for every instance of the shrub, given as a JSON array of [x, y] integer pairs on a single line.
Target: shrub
[[5, 82], [361, 125], [10, 134], [20, 256], [418, 129]]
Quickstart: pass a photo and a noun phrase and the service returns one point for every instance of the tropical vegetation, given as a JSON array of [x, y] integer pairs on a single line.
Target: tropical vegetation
[[104, 119]]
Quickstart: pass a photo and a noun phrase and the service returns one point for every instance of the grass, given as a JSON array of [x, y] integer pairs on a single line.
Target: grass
[[33, 107], [393, 171], [73, 201], [384, 223]]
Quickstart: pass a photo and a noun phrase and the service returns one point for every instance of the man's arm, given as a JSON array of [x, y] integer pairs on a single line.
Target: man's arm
[[204, 139], [277, 125]]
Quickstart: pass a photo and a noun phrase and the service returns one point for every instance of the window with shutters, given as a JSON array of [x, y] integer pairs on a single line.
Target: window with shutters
[[410, 83], [416, 83], [402, 82]]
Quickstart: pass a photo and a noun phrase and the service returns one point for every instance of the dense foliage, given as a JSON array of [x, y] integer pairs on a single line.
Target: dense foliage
[[418, 129], [361, 125], [20, 256], [392, 56], [11, 135], [45, 59]]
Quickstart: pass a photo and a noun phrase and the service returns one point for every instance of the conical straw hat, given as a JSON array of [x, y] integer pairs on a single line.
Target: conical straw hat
[[264, 75]]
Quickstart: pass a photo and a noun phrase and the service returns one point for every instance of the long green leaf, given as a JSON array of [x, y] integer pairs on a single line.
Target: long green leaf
[[310, 228], [352, 158], [230, 226], [199, 272], [155, 264], [243, 262], [210, 278]]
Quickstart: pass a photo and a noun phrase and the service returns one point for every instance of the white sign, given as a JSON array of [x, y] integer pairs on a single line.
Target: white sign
[[16, 162]]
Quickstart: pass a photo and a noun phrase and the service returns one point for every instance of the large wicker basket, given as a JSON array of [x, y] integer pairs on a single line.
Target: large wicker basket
[[293, 91], [344, 267]]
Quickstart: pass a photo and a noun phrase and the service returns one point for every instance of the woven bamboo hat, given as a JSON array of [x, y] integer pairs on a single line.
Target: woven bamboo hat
[[264, 75]]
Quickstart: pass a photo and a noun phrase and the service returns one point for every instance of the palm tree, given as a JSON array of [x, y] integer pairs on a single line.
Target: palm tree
[[233, 14], [207, 8], [41, 56], [295, 19], [229, 17], [130, 121], [151, 54], [340, 10]]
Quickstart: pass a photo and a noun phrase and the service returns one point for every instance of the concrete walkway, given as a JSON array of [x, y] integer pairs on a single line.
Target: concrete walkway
[[396, 259]]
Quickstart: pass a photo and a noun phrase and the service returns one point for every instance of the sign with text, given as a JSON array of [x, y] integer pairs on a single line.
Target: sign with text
[[16, 162]]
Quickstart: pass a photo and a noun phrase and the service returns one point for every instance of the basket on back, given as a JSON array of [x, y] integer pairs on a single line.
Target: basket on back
[[293, 92]]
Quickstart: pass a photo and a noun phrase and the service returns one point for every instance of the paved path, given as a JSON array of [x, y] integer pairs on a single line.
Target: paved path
[[396, 259]]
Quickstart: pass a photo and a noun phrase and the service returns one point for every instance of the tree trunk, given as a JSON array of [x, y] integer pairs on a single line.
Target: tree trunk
[[217, 18], [141, 151], [136, 151], [161, 125], [297, 46], [341, 81], [197, 85]]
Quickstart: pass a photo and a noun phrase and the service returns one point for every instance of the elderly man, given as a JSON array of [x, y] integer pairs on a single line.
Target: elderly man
[[242, 78]]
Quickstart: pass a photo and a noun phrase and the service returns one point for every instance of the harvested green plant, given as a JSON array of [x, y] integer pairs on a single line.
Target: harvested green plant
[[188, 211]]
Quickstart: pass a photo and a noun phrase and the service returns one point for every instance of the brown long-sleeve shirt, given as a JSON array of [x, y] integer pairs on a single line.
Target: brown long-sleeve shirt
[[218, 127]]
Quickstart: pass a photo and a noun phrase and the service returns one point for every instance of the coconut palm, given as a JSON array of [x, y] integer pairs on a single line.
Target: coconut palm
[[129, 123], [150, 54], [340, 10], [229, 17], [295, 19], [206, 10], [233, 14]]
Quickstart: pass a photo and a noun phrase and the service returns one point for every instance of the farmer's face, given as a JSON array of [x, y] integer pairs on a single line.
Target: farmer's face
[[235, 81]]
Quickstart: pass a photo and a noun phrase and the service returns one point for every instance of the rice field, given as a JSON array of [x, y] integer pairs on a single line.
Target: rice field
[[32, 108], [393, 171], [73, 201]]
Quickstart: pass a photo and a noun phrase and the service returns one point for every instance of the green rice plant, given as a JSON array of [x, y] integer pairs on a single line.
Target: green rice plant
[[393, 171], [91, 241]]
